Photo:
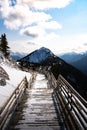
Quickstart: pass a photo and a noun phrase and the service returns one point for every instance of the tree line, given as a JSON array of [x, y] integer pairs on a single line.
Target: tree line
[[4, 48]]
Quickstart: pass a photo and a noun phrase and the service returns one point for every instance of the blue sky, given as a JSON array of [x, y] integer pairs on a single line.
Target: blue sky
[[60, 25]]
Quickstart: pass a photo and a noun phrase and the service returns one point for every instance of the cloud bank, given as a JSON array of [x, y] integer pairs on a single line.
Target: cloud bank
[[22, 13], [29, 17]]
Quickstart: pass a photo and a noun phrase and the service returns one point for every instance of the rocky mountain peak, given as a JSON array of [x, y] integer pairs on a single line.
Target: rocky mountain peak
[[38, 56]]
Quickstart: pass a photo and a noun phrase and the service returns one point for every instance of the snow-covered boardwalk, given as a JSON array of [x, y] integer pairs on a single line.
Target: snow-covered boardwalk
[[37, 110]]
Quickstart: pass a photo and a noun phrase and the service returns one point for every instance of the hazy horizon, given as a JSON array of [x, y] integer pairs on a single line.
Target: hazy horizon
[[60, 25]]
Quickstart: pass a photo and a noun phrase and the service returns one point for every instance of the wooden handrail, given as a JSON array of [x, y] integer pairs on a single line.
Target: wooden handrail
[[74, 106], [10, 105], [2, 108], [72, 89]]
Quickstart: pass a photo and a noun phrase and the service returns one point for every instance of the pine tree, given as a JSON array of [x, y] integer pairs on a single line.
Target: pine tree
[[4, 45]]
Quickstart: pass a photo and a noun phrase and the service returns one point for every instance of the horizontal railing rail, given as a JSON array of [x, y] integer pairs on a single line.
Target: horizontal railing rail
[[73, 105], [10, 105]]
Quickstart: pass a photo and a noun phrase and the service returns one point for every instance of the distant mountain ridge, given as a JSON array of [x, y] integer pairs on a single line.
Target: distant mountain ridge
[[38, 56], [81, 64], [79, 61], [71, 57], [44, 58], [16, 55]]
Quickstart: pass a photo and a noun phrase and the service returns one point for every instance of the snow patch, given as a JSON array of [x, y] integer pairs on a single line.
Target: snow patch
[[15, 77]]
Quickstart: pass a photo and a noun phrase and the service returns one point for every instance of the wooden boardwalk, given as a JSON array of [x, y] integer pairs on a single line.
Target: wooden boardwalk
[[38, 109]]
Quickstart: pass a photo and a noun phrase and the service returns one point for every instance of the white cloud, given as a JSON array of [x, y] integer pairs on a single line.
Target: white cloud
[[48, 40], [73, 43], [63, 44], [40, 28], [57, 44], [30, 18], [20, 15], [33, 31], [44, 4], [23, 46], [24, 12], [50, 25], [16, 19], [47, 4]]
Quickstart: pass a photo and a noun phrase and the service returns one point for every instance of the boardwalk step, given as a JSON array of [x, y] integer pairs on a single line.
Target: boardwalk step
[[37, 110]]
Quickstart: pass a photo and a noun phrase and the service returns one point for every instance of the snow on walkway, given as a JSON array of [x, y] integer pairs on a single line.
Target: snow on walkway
[[16, 77], [40, 81], [37, 110]]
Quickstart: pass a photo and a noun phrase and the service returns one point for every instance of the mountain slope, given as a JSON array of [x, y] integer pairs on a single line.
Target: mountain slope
[[38, 55], [16, 56], [44, 58], [81, 64], [79, 61], [71, 57]]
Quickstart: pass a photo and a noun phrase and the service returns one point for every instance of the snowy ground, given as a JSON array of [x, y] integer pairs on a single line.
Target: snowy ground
[[16, 77]]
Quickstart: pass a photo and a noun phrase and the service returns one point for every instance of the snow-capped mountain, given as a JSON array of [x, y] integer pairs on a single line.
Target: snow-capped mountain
[[38, 55], [43, 58]]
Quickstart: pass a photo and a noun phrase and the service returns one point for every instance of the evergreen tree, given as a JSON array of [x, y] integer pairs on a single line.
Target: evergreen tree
[[4, 45], [0, 42]]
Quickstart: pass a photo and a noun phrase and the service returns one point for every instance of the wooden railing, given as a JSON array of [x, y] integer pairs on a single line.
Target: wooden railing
[[73, 106], [9, 107]]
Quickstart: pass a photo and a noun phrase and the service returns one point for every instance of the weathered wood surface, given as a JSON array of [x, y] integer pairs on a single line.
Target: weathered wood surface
[[37, 110]]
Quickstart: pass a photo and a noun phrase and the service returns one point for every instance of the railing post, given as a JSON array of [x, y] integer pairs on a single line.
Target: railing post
[[9, 107], [71, 102]]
